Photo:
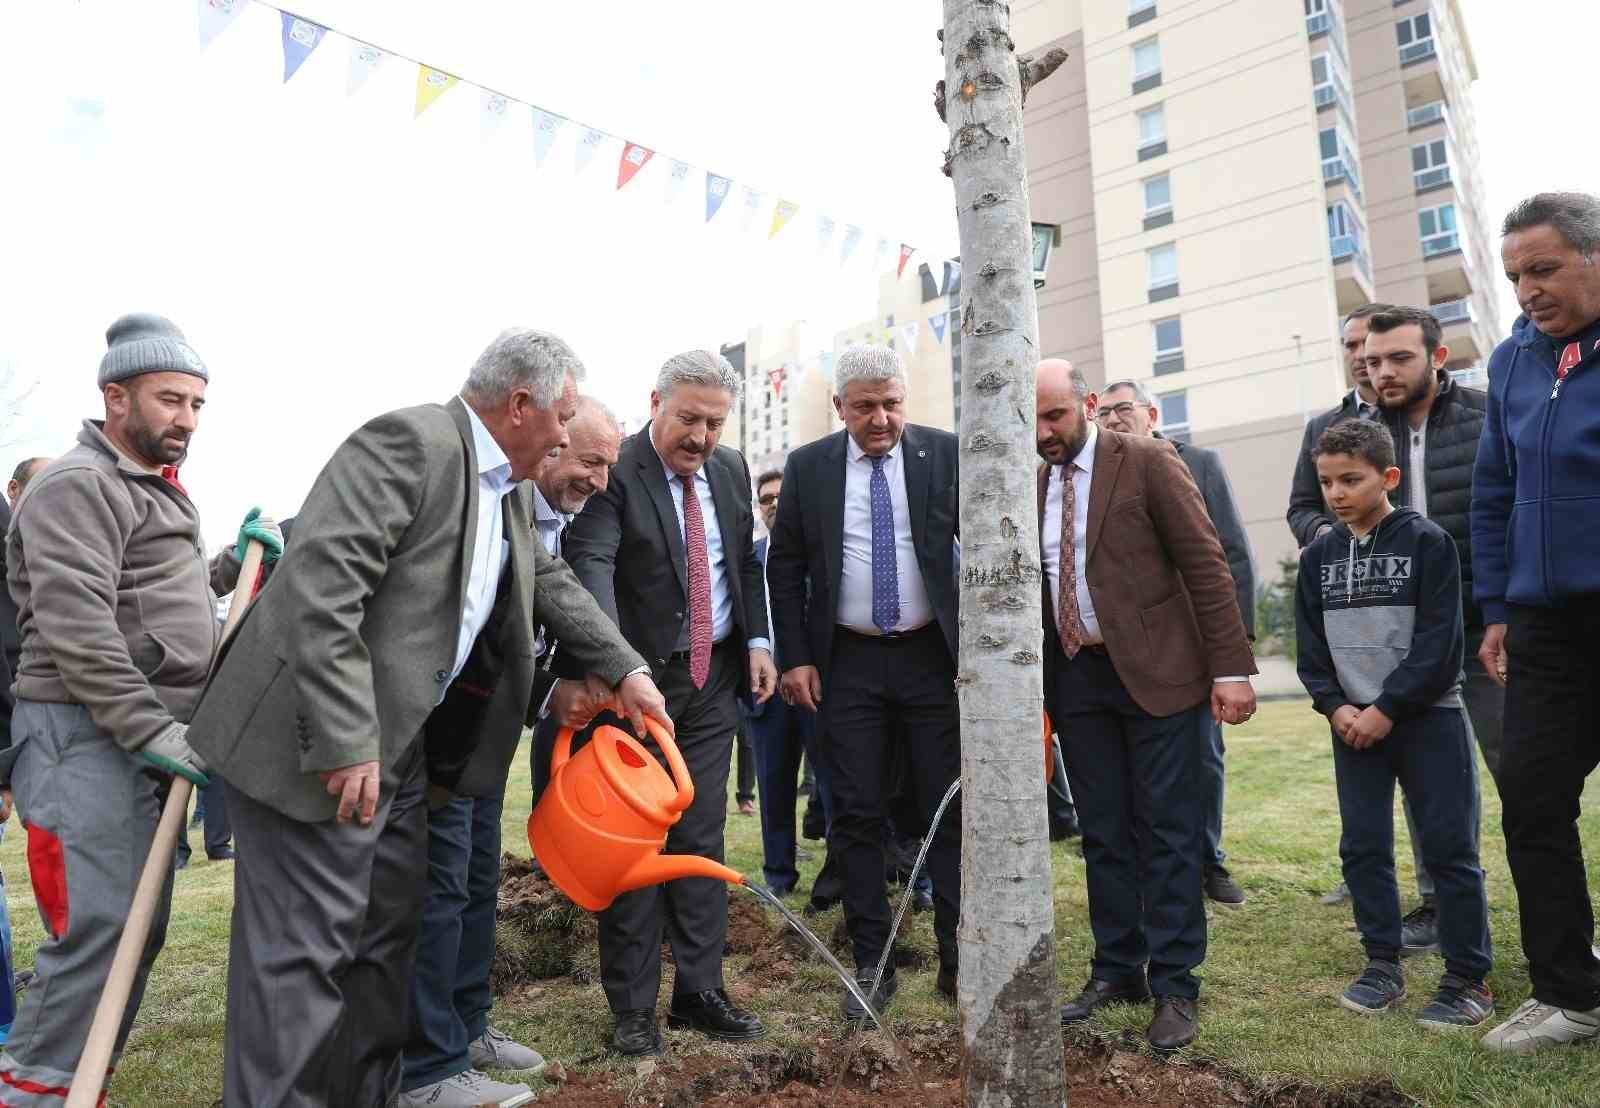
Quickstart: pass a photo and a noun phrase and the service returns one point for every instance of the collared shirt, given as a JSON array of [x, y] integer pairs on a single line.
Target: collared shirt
[[1364, 410], [1082, 468], [548, 525], [1417, 468], [721, 590], [489, 548], [855, 578]]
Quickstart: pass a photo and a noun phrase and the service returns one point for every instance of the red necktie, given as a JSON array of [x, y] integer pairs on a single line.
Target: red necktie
[[1069, 621], [169, 474], [699, 566]]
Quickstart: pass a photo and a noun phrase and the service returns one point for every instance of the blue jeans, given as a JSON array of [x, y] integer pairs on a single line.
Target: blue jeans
[[1434, 760], [779, 736], [450, 997]]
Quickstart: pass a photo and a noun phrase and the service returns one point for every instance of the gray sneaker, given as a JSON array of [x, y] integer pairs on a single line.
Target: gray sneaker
[[1335, 896], [1534, 1026], [495, 1050], [469, 1089]]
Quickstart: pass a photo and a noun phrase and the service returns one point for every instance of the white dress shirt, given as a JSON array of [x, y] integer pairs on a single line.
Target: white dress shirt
[[716, 557], [548, 525], [489, 548], [855, 578], [1082, 468]]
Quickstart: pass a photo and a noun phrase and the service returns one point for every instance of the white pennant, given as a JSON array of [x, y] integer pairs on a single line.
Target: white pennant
[[677, 176], [908, 334], [824, 232], [883, 252], [215, 16], [364, 61], [588, 143], [752, 204], [495, 110]]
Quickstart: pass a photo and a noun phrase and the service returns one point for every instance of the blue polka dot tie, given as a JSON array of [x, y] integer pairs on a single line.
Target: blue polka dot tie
[[885, 577]]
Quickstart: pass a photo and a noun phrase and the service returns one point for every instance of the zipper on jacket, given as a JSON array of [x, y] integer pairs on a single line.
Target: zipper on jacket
[[1544, 482]]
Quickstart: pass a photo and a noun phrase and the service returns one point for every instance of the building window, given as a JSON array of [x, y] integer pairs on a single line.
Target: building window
[[1423, 114], [1430, 164], [1141, 11], [1157, 202], [1152, 132], [1146, 65], [1344, 232], [1174, 415], [1338, 159], [1161, 271], [1438, 229], [1169, 345], [1415, 35]]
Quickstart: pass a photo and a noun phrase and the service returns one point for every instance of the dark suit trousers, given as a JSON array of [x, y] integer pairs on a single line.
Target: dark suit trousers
[[325, 922], [1136, 778], [691, 912], [882, 692], [780, 735]]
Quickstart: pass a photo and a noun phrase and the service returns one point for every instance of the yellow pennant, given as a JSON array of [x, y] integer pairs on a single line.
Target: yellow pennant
[[781, 214], [432, 84]]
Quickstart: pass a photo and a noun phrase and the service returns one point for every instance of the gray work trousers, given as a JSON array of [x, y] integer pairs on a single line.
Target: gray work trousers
[[90, 809], [325, 919]]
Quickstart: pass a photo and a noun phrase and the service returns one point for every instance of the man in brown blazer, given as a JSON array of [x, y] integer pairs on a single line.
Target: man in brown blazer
[[1142, 635]]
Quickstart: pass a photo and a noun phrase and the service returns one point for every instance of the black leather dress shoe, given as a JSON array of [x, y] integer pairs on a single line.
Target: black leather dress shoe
[[1064, 829], [222, 854], [1176, 1024], [712, 1014], [946, 982], [1097, 994], [635, 1034], [880, 1000]]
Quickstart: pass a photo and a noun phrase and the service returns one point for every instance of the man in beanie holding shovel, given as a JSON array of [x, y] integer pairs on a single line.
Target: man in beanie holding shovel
[[106, 566]]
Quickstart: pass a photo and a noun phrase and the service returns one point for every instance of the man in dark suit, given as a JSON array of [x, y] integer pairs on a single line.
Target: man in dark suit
[[1126, 407], [392, 649], [1142, 637], [667, 550], [863, 580]]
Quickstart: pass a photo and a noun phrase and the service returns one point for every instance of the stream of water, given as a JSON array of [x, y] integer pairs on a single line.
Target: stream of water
[[911, 882]]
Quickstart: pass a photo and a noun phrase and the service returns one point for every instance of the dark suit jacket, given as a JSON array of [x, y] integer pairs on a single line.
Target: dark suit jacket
[[346, 651], [1162, 592], [1205, 466], [1308, 512], [626, 546], [808, 540]]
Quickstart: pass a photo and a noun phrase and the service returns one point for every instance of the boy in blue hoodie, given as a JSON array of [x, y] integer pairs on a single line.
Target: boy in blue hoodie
[[1379, 625]]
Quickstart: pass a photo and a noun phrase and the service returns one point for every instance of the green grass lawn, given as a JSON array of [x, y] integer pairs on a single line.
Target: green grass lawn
[[1275, 967]]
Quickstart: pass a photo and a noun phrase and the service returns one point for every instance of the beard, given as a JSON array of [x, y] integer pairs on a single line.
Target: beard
[[1415, 394], [161, 445]]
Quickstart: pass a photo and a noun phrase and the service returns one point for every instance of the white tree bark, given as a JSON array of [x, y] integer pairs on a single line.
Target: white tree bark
[[1010, 1026]]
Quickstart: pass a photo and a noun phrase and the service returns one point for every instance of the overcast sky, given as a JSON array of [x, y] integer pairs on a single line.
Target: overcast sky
[[331, 257]]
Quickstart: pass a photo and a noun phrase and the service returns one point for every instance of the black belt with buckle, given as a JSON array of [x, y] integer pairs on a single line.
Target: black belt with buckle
[[889, 636], [683, 655]]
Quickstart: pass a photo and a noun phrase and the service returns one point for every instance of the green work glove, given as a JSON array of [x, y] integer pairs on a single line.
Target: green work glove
[[263, 529], [170, 752]]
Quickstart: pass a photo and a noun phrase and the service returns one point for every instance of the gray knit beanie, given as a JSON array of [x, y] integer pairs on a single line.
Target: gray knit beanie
[[146, 343]]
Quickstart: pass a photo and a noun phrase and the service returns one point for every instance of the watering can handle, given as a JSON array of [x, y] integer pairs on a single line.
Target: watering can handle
[[675, 764]]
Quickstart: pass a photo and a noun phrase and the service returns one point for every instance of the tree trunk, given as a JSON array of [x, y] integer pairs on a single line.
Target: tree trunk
[[1011, 1031]]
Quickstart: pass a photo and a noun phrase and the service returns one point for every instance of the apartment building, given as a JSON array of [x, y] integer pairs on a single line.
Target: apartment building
[[1230, 177]]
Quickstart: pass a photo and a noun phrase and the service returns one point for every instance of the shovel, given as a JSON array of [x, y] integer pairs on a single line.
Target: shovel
[[91, 1073]]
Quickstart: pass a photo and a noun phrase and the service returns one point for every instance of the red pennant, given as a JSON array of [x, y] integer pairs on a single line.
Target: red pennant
[[905, 256], [634, 157], [776, 377]]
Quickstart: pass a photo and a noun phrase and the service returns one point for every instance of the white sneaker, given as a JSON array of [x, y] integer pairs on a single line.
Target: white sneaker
[[495, 1050], [1535, 1026], [470, 1089]]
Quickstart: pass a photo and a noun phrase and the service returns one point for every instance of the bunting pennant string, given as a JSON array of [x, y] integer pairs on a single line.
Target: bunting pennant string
[[952, 277], [634, 158], [432, 84], [300, 37], [908, 334], [364, 61], [939, 321], [215, 16]]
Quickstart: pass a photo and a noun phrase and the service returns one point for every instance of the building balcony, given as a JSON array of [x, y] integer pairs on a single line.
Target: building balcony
[[1452, 311], [1447, 263], [1424, 115], [1420, 50], [1476, 377], [1428, 179], [1424, 75], [1341, 168], [1352, 272]]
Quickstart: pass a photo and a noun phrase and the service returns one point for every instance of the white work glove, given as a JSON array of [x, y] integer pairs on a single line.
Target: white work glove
[[170, 752]]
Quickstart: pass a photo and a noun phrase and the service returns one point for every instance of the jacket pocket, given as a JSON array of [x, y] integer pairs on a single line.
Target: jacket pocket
[[1172, 641], [167, 660]]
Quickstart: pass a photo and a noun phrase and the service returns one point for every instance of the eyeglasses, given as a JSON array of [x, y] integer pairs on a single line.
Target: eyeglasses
[[1121, 411], [768, 500]]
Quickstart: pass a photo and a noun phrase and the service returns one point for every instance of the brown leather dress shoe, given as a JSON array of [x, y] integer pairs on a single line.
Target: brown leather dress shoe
[[1176, 1023]]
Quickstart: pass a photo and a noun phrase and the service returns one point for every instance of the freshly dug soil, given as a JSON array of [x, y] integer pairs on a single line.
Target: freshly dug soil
[[1099, 1075], [539, 933]]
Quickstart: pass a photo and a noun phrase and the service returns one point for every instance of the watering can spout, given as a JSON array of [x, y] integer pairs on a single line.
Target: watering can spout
[[660, 868]]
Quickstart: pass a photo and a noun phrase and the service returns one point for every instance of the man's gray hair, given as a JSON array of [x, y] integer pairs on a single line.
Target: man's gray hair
[[1576, 215], [698, 367], [860, 362], [1140, 393], [522, 358], [591, 408]]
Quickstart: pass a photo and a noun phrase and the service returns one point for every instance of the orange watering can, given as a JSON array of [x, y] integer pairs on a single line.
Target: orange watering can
[[599, 828]]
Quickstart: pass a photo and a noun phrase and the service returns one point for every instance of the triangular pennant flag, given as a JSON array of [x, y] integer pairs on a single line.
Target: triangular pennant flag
[[300, 37], [852, 236], [545, 126], [952, 278], [908, 332], [364, 60], [677, 177], [905, 256], [753, 199], [883, 252], [939, 321], [215, 15], [432, 84], [716, 192], [824, 232], [634, 158], [588, 143], [781, 215], [495, 110]]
